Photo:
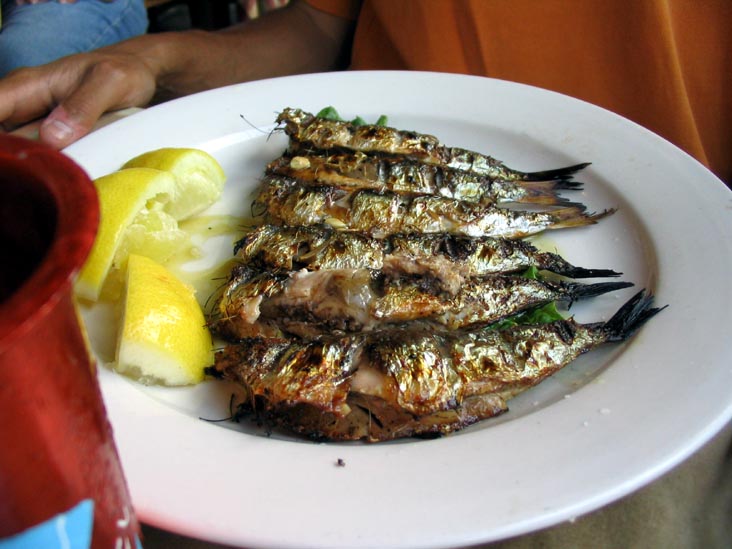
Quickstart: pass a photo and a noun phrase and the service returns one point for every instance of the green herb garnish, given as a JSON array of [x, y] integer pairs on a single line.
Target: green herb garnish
[[330, 113], [539, 315]]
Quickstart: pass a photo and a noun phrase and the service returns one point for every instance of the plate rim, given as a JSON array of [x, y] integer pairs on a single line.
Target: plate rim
[[551, 516]]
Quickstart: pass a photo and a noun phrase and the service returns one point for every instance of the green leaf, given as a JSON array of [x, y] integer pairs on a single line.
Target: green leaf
[[538, 315], [542, 315], [532, 272], [329, 113]]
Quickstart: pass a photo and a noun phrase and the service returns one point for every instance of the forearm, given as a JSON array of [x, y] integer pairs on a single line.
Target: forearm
[[292, 40], [76, 90]]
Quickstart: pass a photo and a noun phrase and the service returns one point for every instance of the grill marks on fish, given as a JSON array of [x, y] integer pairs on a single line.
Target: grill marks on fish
[[364, 308], [307, 303], [308, 132], [450, 258], [394, 383], [285, 201], [356, 171]]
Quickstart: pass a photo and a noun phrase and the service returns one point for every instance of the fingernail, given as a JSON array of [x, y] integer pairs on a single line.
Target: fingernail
[[60, 131]]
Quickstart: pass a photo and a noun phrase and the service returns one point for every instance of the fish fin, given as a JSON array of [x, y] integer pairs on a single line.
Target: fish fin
[[545, 192], [581, 272], [579, 291], [550, 187], [565, 173], [564, 184], [564, 203], [574, 216], [631, 316]]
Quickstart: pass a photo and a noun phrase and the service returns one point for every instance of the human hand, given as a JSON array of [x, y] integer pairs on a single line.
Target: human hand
[[74, 92]]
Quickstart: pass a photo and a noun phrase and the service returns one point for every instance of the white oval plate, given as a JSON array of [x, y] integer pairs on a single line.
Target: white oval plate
[[609, 423]]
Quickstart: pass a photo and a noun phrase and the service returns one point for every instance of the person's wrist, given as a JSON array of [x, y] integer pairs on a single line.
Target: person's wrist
[[167, 56], [153, 50]]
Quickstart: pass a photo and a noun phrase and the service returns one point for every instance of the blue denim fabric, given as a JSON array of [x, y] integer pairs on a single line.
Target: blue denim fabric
[[34, 34]]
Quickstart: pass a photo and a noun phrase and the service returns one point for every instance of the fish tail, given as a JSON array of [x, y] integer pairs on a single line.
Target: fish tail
[[581, 272], [557, 264], [564, 184], [558, 174], [549, 187], [546, 192], [575, 216], [631, 316], [563, 202], [579, 291]]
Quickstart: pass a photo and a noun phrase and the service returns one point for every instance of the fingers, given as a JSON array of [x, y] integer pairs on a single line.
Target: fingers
[[60, 129], [76, 91], [106, 85], [24, 96]]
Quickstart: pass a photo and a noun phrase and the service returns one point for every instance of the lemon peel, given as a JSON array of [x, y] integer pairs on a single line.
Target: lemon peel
[[199, 177], [140, 207], [122, 196], [163, 337]]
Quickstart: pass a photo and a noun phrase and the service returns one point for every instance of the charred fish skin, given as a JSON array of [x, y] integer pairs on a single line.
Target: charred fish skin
[[474, 162], [284, 201], [237, 312], [314, 373], [358, 170], [442, 255], [395, 383], [484, 255], [310, 247], [308, 132], [368, 403], [351, 300], [319, 133]]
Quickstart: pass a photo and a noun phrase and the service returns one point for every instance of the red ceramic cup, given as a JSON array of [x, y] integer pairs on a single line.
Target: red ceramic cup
[[57, 445]]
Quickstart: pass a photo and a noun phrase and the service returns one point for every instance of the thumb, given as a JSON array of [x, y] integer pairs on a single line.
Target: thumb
[[76, 115], [107, 84], [60, 128]]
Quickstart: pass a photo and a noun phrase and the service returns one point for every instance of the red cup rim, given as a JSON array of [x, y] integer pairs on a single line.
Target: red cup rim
[[77, 208]]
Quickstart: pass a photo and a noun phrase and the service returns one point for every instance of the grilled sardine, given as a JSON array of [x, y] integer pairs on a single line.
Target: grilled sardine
[[287, 202], [355, 171], [309, 133], [390, 384], [307, 303], [449, 258]]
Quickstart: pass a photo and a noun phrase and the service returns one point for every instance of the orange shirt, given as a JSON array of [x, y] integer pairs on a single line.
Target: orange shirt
[[665, 64]]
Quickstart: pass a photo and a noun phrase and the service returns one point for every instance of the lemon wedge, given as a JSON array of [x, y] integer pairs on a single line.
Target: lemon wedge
[[154, 234], [122, 196], [140, 207], [199, 177], [163, 337]]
